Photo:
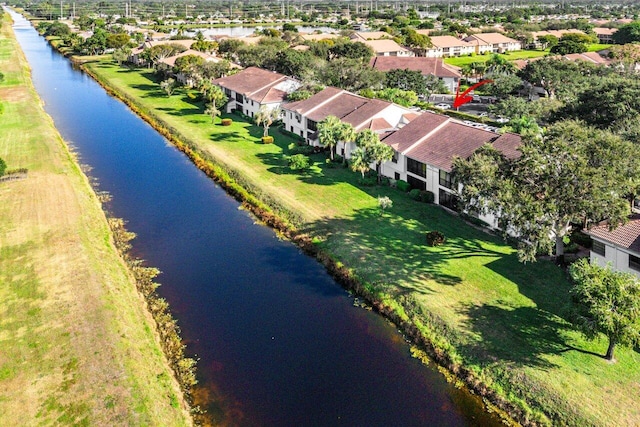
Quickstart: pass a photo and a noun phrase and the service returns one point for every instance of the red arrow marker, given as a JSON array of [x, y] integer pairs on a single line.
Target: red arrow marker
[[463, 98]]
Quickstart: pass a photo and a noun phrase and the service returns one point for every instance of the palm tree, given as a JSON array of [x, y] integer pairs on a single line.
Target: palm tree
[[498, 64], [329, 133], [266, 116], [360, 161], [212, 111]]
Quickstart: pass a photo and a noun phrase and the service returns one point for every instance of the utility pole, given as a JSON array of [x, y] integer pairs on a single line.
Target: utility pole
[[61, 10]]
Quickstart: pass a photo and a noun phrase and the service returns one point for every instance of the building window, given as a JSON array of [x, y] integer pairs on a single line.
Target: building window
[[228, 92], [239, 98], [445, 179], [416, 167], [448, 200], [396, 176], [416, 183], [311, 125], [291, 127], [598, 247], [394, 159], [634, 262]]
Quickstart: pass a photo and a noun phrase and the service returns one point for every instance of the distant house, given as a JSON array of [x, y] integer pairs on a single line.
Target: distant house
[[318, 37], [385, 47], [447, 46], [620, 247], [449, 75], [167, 64], [136, 59], [254, 87], [605, 35], [360, 36], [493, 43], [537, 44]]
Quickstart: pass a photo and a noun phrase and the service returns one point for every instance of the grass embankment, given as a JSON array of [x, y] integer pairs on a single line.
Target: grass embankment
[[76, 343], [501, 320], [460, 61]]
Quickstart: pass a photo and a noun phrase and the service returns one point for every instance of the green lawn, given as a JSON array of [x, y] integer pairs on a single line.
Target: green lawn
[[460, 61], [595, 47], [503, 319]]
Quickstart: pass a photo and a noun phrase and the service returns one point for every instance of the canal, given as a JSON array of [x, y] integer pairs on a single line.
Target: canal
[[279, 342]]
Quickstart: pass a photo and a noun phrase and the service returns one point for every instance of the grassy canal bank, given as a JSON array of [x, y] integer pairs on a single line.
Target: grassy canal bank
[[77, 345], [496, 323]]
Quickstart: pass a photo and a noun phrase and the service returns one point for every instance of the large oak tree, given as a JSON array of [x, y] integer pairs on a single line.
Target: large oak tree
[[571, 174]]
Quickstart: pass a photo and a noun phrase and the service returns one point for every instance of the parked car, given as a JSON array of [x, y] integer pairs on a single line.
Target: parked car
[[443, 106], [502, 119], [482, 115]]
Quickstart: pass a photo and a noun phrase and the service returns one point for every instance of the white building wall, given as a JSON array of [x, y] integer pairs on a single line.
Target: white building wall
[[616, 257]]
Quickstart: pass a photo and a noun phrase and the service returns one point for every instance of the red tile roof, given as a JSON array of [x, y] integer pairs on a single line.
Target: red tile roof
[[301, 107], [250, 80], [508, 144], [415, 130], [452, 140], [626, 236], [427, 66]]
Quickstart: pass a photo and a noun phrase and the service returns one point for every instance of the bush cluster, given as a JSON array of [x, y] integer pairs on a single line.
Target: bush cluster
[[403, 185], [298, 162], [435, 238]]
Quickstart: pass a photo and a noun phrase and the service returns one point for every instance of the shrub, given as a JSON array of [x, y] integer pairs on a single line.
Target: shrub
[[300, 149], [414, 194], [3, 167], [435, 238], [427, 197], [581, 239], [403, 185], [226, 122], [298, 162], [368, 181], [385, 181], [384, 202], [267, 140]]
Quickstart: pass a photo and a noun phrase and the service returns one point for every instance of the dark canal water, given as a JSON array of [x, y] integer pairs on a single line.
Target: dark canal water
[[280, 343]]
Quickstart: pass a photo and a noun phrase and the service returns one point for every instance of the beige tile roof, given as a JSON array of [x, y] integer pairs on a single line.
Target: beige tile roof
[[448, 41], [490, 38], [626, 236], [171, 61], [382, 46], [604, 31], [427, 66], [372, 35]]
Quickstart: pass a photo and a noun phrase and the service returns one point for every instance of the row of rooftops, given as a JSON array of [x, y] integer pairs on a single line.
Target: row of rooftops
[[427, 137]]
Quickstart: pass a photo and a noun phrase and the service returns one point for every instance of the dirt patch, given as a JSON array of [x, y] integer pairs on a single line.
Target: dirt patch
[[13, 94]]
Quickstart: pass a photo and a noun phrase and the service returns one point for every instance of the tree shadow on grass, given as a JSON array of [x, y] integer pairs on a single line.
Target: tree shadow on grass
[[278, 165], [231, 137], [522, 335], [389, 249], [181, 112]]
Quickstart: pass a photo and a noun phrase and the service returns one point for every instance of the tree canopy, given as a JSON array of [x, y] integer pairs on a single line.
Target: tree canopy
[[607, 302], [573, 173], [628, 33]]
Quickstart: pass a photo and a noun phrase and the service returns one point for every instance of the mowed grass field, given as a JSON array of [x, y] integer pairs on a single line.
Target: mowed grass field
[[77, 346], [503, 319]]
